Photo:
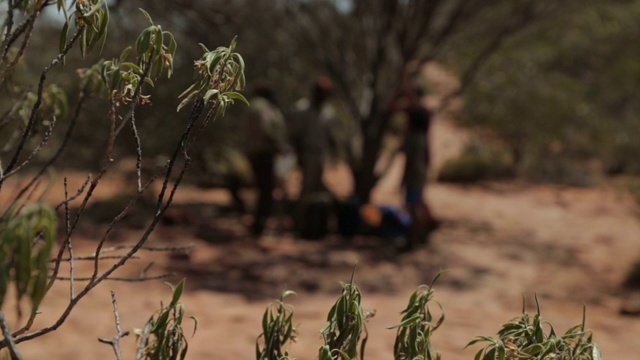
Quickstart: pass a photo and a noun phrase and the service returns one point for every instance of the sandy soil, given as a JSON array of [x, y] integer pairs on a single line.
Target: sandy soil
[[500, 242]]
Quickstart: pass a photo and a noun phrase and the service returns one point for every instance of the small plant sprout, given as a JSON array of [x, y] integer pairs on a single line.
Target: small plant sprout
[[413, 336], [524, 338], [162, 337], [277, 330], [345, 325]]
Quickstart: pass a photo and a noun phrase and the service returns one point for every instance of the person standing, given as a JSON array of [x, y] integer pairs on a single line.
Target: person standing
[[408, 101], [314, 122], [265, 136], [314, 139]]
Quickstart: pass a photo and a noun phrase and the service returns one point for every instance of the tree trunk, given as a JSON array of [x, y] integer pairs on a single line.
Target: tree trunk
[[365, 178]]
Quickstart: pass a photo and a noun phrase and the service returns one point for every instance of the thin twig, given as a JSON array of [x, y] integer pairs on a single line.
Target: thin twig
[[115, 342], [68, 231], [28, 31], [79, 192], [63, 145], [113, 133], [143, 273], [36, 151], [136, 137], [466, 78], [162, 206], [123, 279], [148, 248], [43, 77], [90, 258], [69, 245], [8, 338]]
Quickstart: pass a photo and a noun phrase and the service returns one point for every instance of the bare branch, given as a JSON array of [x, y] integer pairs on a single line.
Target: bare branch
[[43, 142], [162, 206], [79, 192], [122, 279], [58, 153], [27, 30], [89, 258], [136, 137], [8, 338], [455, 18], [67, 242], [115, 341], [524, 19], [43, 77]]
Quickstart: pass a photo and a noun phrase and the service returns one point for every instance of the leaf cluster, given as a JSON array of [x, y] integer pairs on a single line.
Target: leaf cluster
[[277, 330], [219, 74], [155, 50], [345, 325], [27, 235], [413, 336], [162, 337], [91, 21], [525, 338]]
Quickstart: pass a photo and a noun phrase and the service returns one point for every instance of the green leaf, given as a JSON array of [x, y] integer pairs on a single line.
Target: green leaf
[[238, 96], [173, 45], [125, 53], [177, 292], [159, 39], [95, 8], [116, 78], [143, 42], [102, 32], [63, 36], [188, 99], [146, 14], [210, 93], [83, 42]]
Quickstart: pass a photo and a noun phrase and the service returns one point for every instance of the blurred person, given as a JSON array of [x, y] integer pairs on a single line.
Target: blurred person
[[314, 121], [265, 136], [408, 101], [315, 142]]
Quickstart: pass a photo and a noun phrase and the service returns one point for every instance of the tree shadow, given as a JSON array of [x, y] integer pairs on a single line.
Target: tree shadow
[[228, 258], [260, 267]]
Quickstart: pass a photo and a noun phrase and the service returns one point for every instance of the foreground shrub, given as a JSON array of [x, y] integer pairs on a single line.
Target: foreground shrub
[[522, 338], [277, 330], [162, 336], [345, 326], [413, 337]]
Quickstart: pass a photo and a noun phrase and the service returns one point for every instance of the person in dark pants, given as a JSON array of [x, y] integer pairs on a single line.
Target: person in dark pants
[[417, 154], [265, 137]]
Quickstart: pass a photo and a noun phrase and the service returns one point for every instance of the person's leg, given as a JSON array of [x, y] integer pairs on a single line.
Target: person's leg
[[234, 189], [312, 168], [422, 220], [263, 171]]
